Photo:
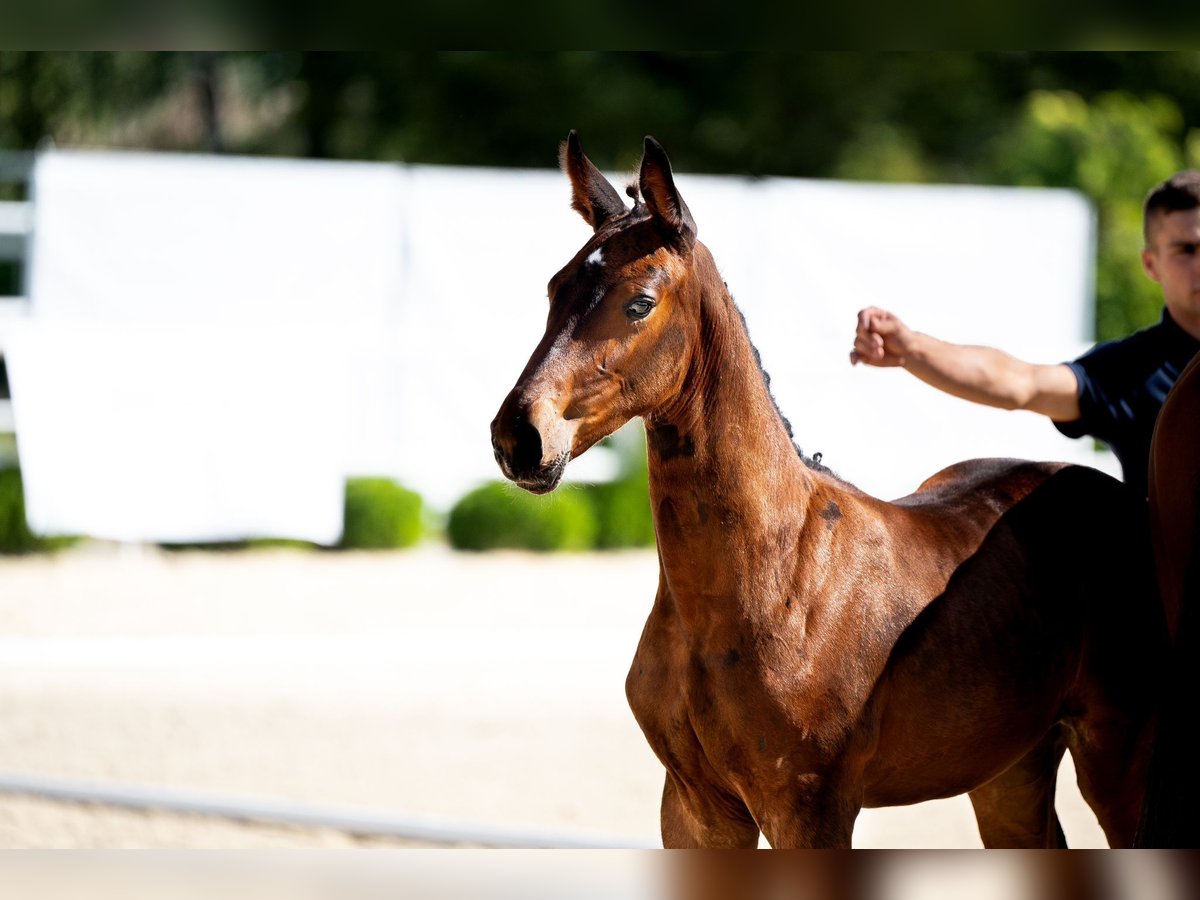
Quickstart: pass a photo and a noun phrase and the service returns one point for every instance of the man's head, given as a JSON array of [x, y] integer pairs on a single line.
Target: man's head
[[1178, 193], [1171, 223]]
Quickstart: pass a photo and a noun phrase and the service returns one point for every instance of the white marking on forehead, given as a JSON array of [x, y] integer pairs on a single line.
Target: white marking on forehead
[[597, 257]]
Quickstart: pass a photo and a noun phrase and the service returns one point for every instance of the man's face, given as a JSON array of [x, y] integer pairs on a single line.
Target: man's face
[[1173, 260]]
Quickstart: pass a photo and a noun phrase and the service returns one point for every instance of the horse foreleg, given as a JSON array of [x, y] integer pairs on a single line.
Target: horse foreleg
[[1016, 808], [817, 814], [721, 822]]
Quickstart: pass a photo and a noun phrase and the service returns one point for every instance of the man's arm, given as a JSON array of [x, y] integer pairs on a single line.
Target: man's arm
[[980, 374]]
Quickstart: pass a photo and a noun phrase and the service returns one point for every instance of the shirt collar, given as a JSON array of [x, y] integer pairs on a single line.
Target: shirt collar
[[1179, 339]]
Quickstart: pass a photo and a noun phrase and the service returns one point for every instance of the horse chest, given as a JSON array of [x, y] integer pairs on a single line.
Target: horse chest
[[713, 715], [676, 701]]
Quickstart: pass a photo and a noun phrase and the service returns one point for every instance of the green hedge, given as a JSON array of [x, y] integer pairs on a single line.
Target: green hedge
[[623, 506], [499, 515], [381, 515], [622, 511], [15, 536], [605, 516]]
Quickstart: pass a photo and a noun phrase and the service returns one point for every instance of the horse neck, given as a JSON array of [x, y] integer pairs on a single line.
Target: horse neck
[[725, 477]]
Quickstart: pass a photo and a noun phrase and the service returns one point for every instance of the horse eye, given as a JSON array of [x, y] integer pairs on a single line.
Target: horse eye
[[639, 308]]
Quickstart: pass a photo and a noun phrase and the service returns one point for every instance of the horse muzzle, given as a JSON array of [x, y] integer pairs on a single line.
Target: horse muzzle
[[532, 443]]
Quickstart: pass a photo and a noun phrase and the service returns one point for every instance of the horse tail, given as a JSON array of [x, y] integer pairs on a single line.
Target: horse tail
[[1171, 814]]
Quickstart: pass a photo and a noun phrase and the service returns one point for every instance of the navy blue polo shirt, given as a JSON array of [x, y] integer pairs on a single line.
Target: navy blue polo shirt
[[1122, 385]]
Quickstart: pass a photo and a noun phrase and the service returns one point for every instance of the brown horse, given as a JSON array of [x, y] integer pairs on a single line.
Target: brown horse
[[813, 650]]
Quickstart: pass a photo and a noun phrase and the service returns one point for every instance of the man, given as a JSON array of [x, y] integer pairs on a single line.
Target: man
[[1113, 392]]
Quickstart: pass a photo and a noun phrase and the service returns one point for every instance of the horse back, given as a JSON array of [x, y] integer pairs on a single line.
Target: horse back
[[995, 482]]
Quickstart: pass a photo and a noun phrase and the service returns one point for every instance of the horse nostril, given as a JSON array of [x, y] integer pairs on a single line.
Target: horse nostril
[[527, 446]]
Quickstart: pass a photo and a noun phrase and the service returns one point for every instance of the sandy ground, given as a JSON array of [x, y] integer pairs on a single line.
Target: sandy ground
[[483, 689]]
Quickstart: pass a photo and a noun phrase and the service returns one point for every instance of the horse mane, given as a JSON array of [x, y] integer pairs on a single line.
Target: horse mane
[[813, 462]]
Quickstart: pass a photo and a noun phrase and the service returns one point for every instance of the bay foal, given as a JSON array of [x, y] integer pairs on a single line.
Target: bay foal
[[812, 650]]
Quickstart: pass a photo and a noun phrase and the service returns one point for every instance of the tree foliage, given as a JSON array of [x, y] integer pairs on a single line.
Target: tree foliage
[[1114, 149], [1108, 124]]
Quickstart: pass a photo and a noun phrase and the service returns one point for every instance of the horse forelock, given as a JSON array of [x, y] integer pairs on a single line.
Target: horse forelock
[[623, 240], [620, 241], [634, 192]]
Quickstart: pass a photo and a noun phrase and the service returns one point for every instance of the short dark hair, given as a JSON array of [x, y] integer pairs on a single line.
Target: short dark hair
[[1179, 192]]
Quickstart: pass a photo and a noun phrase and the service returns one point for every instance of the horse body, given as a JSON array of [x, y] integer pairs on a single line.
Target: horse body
[[811, 649]]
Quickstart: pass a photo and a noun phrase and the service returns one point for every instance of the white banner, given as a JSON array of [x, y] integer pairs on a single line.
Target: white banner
[[227, 339]]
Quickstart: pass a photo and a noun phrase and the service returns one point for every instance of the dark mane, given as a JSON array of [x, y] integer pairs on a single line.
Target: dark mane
[[813, 462]]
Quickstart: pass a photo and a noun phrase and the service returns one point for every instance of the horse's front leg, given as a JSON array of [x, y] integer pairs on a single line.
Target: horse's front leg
[[818, 814], [705, 820]]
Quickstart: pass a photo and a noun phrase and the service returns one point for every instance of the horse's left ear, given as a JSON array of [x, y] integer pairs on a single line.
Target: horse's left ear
[[662, 197]]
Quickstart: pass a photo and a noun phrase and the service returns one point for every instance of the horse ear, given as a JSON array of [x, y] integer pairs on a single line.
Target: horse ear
[[662, 197], [591, 194]]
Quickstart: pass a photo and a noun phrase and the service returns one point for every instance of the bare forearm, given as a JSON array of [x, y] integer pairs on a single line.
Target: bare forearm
[[982, 375], [979, 374]]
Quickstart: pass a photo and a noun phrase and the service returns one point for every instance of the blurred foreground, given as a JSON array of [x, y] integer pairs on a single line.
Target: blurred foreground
[[482, 689], [608, 875]]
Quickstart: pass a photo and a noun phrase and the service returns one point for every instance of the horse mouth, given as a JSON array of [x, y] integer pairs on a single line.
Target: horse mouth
[[545, 479]]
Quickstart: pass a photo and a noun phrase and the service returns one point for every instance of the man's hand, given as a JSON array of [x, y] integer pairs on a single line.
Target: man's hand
[[881, 339]]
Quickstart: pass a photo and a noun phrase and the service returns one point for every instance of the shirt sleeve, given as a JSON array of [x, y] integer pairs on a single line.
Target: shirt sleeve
[[1103, 374], [1086, 391]]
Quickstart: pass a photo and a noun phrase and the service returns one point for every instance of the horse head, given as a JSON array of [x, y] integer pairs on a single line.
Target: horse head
[[623, 319]]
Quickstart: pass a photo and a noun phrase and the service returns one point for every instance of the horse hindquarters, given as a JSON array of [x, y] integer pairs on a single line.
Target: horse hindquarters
[[1122, 672], [1170, 815]]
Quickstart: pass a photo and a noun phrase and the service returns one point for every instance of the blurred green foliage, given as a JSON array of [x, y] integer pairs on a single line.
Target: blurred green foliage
[[604, 516], [381, 515], [622, 506], [1114, 149], [498, 515], [15, 536], [622, 510]]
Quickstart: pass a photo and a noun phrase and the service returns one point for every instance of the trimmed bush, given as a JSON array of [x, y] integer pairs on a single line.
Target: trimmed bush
[[622, 512], [380, 515], [15, 536], [623, 506], [499, 515]]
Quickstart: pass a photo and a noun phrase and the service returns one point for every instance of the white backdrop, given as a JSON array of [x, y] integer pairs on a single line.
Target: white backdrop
[[217, 343]]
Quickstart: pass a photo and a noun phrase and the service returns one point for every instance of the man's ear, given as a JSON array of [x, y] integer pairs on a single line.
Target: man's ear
[[1150, 264], [591, 194]]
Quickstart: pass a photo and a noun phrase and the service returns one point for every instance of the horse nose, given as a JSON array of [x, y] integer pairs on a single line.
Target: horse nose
[[516, 442]]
